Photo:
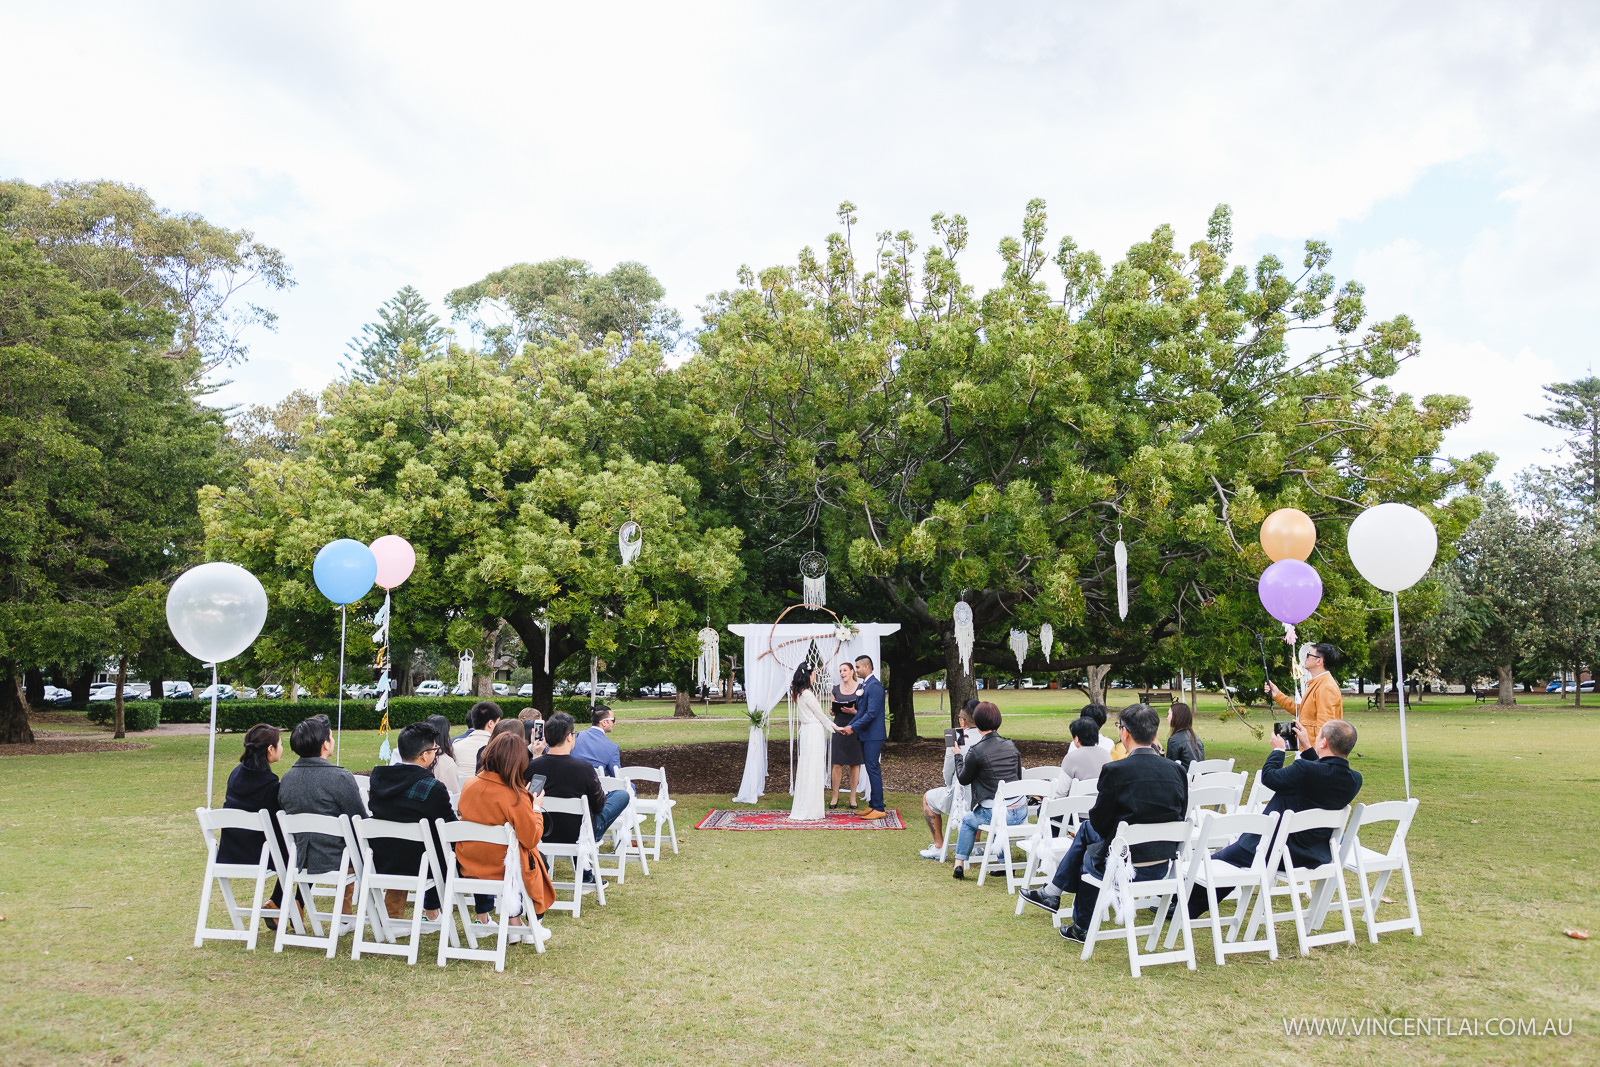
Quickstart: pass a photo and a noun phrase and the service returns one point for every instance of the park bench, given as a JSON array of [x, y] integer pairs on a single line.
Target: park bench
[[1155, 698], [1390, 699], [1480, 696]]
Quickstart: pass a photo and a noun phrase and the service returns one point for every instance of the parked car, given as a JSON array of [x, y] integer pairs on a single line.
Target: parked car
[[102, 691], [271, 691], [525, 691], [223, 692], [501, 689], [920, 685], [432, 688], [177, 691], [57, 697], [246, 693], [666, 689]]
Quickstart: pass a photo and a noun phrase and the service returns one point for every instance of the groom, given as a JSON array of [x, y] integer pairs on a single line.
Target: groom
[[868, 724]]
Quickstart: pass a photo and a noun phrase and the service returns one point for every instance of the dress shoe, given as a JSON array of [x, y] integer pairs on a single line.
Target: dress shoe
[[1039, 899], [1074, 932], [871, 815], [958, 874]]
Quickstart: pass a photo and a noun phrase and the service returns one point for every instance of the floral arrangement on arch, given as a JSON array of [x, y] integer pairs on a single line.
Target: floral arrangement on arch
[[844, 631]]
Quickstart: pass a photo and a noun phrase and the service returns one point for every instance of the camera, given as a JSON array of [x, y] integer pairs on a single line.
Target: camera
[[1285, 730]]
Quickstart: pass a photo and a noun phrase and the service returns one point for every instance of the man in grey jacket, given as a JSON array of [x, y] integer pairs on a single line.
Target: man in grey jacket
[[314, 786]]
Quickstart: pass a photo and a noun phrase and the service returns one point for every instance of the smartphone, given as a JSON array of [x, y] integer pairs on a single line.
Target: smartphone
[[536, 784], [954, 738], [538, 730]]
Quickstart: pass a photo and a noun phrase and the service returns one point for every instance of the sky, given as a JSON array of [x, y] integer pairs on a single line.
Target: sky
[[1446, 151]]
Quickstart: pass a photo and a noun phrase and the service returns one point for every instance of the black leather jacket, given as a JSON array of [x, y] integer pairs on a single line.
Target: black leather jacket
[[991, 761], [1185, 748]]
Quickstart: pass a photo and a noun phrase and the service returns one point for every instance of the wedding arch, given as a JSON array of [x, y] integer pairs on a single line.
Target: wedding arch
[[772, 651]]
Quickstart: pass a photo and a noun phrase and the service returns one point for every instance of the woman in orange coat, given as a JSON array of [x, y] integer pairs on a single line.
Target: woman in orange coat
[[498, 794]]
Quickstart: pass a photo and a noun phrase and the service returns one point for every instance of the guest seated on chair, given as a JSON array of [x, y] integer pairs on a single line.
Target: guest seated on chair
[[1183, 744], [569, 777], [1141, 788], [938, 801], [992, 760], [499, 795], [595, 747], [1320, 777], [406, 793], [1097, 712], [481, 721], [313, 786], [252, 786], [1084, 758], [516, 728], [444, 766]]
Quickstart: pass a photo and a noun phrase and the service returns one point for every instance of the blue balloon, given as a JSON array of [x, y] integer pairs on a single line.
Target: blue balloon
[[345, 570]]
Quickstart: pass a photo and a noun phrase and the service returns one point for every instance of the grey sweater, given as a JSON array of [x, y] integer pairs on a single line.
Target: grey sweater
[[313, 786]]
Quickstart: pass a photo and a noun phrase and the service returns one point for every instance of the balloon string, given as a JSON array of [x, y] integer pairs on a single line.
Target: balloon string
[[339, 737]]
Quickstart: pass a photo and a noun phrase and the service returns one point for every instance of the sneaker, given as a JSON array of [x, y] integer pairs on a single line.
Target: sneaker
[[1040, 899], [959, 874], [931, 852], [1073, 932]]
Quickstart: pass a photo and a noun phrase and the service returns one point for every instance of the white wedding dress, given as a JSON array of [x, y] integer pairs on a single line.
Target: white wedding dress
[[811, 771]]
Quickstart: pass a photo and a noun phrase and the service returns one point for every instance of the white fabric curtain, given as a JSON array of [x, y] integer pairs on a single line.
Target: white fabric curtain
[[768, 672]]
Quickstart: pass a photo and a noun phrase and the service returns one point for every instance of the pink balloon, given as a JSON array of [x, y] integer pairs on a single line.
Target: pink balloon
[[1290, 590], [396, 559]]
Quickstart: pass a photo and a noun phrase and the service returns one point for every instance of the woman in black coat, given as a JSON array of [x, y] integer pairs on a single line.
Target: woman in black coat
[[1183, 744], [253, 785]]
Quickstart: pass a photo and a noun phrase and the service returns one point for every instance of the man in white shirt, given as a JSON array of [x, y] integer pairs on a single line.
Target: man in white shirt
[[481, 721]]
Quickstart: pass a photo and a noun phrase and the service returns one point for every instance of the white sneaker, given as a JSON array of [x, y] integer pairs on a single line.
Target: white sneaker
[[930, 853]]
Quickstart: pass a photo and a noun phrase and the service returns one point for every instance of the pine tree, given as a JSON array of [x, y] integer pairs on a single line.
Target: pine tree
[[381, 353]]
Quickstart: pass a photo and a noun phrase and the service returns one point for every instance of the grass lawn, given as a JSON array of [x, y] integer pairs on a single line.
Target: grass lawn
[[790, 947]]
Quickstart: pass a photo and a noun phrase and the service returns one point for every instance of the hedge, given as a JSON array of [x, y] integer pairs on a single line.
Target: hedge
[[136, 714], [358, 714]]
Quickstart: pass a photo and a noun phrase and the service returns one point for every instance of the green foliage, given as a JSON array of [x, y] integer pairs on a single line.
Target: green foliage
[[1572, 489], [358, 714], [406, 333], [112, 237], [565, 298], [136, 714]]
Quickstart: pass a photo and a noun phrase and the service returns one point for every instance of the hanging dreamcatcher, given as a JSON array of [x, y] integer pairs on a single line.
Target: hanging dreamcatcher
[[629, 539], [1120, 554], [1019, 646], [710, 661], [814, 579], [1047, 640], [543, 623], [964, 634], [380, 638]]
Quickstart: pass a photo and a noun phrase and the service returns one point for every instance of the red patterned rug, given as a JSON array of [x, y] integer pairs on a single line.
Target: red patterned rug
[[718, 819]]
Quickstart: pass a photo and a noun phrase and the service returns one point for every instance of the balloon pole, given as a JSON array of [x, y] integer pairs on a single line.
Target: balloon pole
[[211, 758], [1400, 683], [340, 735]]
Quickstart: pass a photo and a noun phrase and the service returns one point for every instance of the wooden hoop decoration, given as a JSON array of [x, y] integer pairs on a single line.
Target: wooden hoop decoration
[[772, 649]]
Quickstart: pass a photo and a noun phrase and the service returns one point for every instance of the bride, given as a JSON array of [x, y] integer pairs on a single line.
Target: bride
[[812, 769]]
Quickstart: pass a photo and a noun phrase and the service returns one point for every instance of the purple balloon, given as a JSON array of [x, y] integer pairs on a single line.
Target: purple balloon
[[1290, 590]]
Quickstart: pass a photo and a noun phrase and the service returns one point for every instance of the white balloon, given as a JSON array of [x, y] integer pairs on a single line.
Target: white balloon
[[1393, 545], [215, 610]]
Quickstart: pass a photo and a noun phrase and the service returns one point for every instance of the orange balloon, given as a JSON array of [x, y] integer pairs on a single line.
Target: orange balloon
[[1288, 533]]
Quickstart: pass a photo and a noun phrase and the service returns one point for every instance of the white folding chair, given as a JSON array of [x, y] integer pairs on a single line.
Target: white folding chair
[[1210, 766], [626, 834], [364, 786], [370, 907], [1046, 774], [583, 854], [306, 886], [960, 807], [999, 835], [1260, 796], [1315, 884], [1363, 861], [657, 808], [459, 892], [1118, 890], [1052, 836], [1085, 787], [212, 823], [1218, 878]]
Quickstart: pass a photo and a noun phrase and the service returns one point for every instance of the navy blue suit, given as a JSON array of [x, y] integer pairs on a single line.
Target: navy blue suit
[[869, 726]]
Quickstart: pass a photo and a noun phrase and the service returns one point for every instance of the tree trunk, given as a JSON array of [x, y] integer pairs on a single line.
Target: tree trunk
[[901, 700], [1507, 699], [33, 687], [962, 687], [14, 728], [1096, 675], [81, 684], [1577, 686], [158, 687], [1383, 684], [118, 719], [294, 684], [680, 706]]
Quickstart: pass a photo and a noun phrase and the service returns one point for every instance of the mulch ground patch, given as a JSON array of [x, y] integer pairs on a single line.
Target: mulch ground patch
[[67, 747], [717, 766]]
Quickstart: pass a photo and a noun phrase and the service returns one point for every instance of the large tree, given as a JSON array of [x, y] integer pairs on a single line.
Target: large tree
[[101, 452], [111, 236], [1571, 489], [406, 333], [946, 446], [511, 481]]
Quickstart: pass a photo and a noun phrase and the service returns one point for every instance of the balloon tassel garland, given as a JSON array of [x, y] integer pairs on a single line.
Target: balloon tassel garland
[[395, 560], [381, 639]]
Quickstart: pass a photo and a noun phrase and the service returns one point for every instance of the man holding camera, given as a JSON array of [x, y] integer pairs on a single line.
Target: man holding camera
[[1322, 701], [1320, 778]]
